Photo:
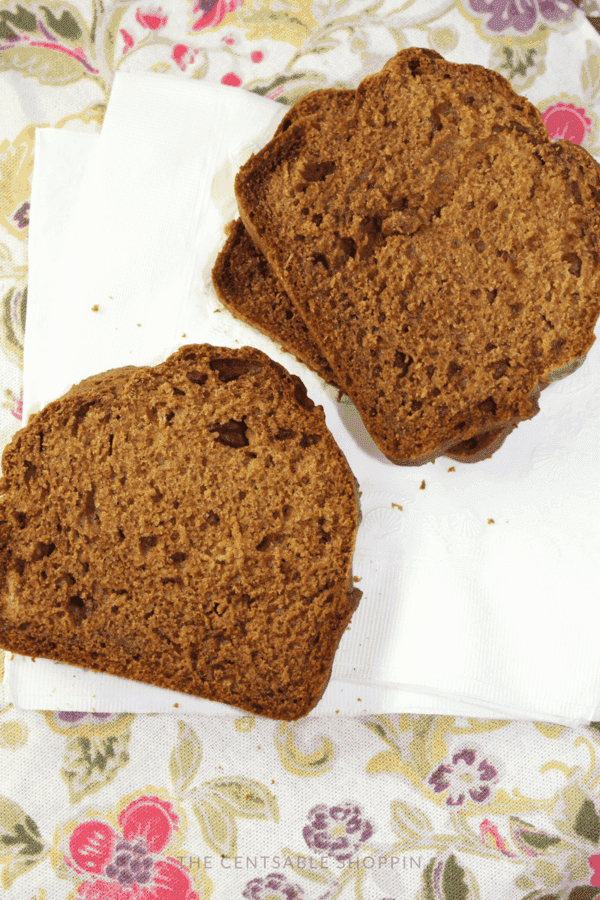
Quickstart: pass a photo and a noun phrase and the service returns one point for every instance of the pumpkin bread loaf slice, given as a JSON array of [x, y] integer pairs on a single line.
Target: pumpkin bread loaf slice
[[190, 525], [243, 280], [246, 285], [441, 249]]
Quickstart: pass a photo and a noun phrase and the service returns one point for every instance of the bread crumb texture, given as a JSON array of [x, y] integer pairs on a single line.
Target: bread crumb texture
[[442, 250], [189, 525]]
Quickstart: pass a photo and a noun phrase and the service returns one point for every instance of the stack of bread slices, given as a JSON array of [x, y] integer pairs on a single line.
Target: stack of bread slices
[[423, 246]]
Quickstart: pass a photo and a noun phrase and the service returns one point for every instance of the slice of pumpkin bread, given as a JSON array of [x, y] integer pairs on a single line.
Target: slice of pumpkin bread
[[441, 249], [190, 525], [243, 279], [246, 285]]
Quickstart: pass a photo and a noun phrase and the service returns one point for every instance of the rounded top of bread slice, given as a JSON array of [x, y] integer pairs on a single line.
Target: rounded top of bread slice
[[440, 246], [190, 525]]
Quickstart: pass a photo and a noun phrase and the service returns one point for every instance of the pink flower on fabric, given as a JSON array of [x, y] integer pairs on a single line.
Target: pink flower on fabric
[[594, 862], [151, 19], [184, 56], [17, 409], [231, 79], [128, 865], [567, 122], [491, 836], [257, 56], [213, 12], [127, 40]]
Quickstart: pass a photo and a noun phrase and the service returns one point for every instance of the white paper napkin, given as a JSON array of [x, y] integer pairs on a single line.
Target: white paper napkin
[[480, 581]]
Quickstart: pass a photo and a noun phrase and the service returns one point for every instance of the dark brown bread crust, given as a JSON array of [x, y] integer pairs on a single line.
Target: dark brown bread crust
[[441, 249], [247, 287], [243, 280], [190, 525]]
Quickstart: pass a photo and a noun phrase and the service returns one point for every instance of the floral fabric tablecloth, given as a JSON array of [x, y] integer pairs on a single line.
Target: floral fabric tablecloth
[[176, 807]]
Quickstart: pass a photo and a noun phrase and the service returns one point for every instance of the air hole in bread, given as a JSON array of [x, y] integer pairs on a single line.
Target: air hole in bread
[[80, 414], [284, 434], [179, 392], [574, 263], [488, 406], [318, 171], [178, 558], [309, 440], [30, 472], [575, 190], [76, 608], [147, 542], [232, 369], [231, 433], [21, 519], [317, 219], [454, 369], [212, 518], [42, 550], [348, 246], [196, 377], [302, 398], [500, 369], [289, 314], [320, 259], [402, 362]]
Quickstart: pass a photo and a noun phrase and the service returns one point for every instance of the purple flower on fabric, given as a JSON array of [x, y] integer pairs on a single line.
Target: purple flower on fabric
[[337, 831], [68, 716], [521, 15], [466, 776], [274, 887], [21, 216]]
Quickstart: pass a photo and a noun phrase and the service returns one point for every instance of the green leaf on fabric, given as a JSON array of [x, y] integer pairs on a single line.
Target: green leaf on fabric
[[587, 823], [185, 758], [427, 891], [66, 26], [445, 879], [247, 798], [590, 82], [539, 841], [583, 892], [217, 825], [47, 65], [409, 821], [90, 763], [22, 19], [21, 844], [454, 886]]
